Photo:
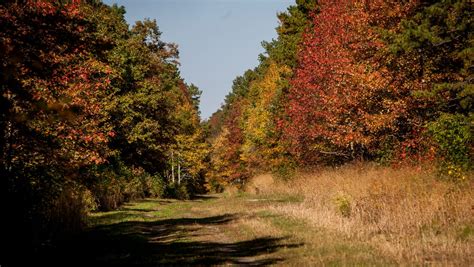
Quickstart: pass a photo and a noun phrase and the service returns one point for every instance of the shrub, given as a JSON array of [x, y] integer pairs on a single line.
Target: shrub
[[133, 187], [153, 186], [453, 136], [214, 185], [89, 200], [178, 191], [343, 205], [68, 210], [285, 170], [108, 193]]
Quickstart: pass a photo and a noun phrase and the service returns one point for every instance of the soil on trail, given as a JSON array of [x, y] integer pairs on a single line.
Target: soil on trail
[[208, 230]]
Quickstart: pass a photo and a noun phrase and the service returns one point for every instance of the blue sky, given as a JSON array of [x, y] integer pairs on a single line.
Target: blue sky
[[217, 39]]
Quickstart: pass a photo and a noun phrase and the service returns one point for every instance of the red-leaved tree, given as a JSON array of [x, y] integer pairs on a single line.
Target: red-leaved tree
[[343, 102]]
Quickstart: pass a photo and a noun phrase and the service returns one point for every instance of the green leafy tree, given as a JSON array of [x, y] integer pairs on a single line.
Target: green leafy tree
[[438, 42]]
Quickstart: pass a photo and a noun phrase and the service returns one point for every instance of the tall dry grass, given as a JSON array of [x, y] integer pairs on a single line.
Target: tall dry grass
[[408, 214]]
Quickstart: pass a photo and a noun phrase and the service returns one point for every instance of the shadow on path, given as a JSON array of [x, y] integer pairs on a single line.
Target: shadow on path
[[203, 197], [163, 243]]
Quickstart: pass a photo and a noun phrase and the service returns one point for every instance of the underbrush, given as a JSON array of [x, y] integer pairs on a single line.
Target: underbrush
[[407, 213], [178, 191], [114, 186]]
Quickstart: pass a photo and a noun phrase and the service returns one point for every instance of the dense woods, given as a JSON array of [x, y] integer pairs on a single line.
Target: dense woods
[[385, 81], [94, 112]]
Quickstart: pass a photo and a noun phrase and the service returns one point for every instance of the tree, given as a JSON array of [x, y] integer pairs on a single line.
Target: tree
[[90, 111], [260, 146], [52, 118], [432, 56], [342, 102]]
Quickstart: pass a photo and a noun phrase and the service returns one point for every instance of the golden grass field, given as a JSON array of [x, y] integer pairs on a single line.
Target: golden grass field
[[406, 213]]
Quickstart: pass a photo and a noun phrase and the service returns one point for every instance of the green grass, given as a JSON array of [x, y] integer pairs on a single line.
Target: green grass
[[219, 230]]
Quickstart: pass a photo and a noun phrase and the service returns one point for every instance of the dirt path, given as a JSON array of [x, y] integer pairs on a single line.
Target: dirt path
[[209, 230]]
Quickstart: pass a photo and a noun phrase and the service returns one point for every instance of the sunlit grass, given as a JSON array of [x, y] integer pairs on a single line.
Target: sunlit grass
[[408, 215], [143, 211]]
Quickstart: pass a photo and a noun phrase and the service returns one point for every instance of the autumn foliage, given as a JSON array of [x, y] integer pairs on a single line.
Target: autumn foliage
[[91, 111], [94, 113], [359, 80], [343, 101]]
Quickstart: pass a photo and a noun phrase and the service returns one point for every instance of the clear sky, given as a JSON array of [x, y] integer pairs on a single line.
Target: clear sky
[[217, 39]]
